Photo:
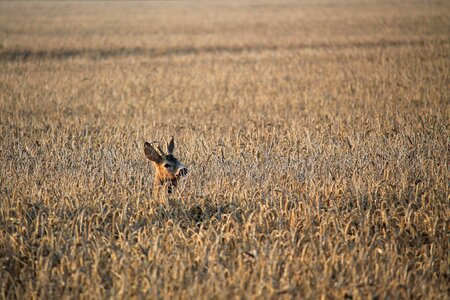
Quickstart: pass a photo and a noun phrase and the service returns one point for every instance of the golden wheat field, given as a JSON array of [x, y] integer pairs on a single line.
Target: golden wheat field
[[316, 134]]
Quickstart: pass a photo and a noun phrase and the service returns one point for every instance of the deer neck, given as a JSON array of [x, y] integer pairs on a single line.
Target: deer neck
[[160, 182]]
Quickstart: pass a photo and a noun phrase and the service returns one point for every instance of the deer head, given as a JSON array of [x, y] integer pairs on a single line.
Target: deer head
[[167, 167]]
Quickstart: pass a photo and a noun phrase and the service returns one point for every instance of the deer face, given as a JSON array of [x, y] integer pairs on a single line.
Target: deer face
[[168, 169]]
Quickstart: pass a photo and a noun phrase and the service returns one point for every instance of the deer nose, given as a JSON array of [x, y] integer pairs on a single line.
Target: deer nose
[[182, 172]]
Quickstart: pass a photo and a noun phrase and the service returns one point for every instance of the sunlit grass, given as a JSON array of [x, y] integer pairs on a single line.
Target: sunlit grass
[[316, 137]]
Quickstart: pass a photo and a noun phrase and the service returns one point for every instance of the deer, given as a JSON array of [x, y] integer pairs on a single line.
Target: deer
[[168, 169]]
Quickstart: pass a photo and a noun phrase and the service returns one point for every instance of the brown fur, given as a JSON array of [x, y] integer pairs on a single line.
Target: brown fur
[[168, 170]]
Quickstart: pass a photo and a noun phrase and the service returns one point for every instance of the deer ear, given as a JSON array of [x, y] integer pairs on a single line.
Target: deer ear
[[151, 153], [170, 146]]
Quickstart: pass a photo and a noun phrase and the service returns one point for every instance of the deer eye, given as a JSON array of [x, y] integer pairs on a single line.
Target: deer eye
[[166, 166]]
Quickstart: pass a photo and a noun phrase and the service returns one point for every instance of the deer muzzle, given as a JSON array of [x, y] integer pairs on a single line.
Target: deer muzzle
[[181, 172]]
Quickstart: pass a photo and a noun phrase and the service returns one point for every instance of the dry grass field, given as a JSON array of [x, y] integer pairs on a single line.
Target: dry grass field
[[316, 134]]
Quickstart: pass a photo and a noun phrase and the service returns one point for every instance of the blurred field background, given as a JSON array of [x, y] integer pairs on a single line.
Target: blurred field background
[[316, 133]]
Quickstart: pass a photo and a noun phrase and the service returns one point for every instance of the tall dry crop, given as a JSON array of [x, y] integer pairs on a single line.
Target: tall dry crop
[[316, 136]]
